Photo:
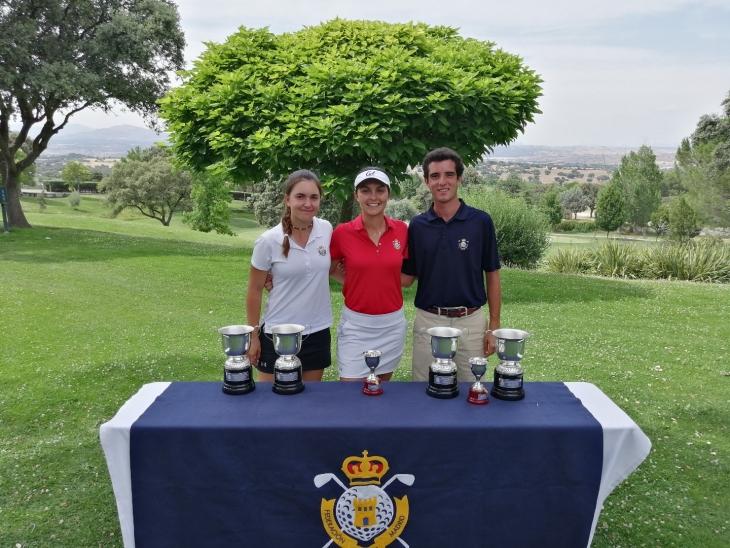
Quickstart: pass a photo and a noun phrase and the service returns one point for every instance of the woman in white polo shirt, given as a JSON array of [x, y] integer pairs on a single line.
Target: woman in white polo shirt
[[296, 252]]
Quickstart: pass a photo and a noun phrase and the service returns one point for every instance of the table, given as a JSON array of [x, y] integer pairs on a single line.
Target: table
[[263, 469]]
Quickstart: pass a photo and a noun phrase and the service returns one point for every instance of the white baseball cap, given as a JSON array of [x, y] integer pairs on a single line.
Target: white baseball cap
[[374, 174]]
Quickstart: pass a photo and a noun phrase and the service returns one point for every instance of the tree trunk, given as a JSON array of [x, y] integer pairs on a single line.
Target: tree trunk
[[16, 217]]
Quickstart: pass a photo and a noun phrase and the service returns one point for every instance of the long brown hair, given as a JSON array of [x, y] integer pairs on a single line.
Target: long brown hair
[[294, 178]]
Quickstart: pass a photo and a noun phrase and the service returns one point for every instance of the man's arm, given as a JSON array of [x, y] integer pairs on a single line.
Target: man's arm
[[406, 280], [494, 302]]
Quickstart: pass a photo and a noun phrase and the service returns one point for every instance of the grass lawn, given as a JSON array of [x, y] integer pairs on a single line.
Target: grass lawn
[[91, 308]]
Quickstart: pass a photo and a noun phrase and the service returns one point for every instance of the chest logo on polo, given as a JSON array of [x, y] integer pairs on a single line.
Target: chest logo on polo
[[322, 250], [396, 243], [463, 244], [364, 514]]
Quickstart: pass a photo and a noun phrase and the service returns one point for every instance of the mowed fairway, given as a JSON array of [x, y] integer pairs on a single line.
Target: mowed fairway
[[91, 308]]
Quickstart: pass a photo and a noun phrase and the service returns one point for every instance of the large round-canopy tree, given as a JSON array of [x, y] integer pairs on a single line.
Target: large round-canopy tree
[[58, 57], [345, 94]]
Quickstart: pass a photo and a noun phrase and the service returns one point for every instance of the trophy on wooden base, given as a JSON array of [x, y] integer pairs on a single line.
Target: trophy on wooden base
[[508, 381], [442, 373], [478, 394], [237, 371], [371, 385], [287, 339]]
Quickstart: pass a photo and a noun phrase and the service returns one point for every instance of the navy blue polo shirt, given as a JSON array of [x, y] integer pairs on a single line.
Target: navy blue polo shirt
[[450, 258]]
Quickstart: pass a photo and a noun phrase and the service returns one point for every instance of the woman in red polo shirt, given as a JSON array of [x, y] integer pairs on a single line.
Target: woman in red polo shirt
[[371, 249]]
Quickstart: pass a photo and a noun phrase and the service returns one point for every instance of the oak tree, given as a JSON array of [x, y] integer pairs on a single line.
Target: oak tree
[[58, 57]]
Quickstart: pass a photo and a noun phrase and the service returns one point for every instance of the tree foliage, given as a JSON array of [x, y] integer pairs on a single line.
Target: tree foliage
[[703, 167], [551, 208], [210, 197], [345, 94], [147, 181], [610, 207], [74, 173], [640, 180], [60, 57], [573, 201], [683, 221], [590, 191]]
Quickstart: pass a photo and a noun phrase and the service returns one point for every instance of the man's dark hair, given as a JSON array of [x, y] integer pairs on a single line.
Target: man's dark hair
[[441, 154]]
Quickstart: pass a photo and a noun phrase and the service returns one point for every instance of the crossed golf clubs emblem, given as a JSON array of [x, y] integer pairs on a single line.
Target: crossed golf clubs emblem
[[364, 512]]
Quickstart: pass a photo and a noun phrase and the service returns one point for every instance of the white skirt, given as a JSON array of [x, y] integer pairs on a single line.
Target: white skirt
[[357, 333]]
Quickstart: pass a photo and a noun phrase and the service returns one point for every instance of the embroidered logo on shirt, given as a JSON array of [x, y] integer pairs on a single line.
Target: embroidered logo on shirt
[[463, 244], [396, 243], [322, 250]]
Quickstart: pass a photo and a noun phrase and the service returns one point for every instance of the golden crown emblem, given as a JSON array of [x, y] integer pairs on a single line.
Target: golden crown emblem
[[365, 470]]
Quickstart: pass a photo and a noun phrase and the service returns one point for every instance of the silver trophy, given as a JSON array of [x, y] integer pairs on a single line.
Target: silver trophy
[[371, 385], [478, 393], [508, 374], [287, 339], [237, 372], [442, 373]]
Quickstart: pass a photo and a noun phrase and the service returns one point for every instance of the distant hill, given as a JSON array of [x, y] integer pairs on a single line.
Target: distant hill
[[111, 142], [596, 156], [116, 141]]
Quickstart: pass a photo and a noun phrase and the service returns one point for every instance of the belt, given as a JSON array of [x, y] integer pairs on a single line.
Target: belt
[[452, 311]]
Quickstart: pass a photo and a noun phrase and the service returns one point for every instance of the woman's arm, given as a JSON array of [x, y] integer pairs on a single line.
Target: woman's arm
[[256, 281], [337, 271]]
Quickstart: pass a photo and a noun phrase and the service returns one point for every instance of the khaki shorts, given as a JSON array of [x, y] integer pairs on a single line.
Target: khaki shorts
[[471, 343]]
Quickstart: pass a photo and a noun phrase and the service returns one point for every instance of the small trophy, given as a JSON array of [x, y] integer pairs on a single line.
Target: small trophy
[[237, 373], [508, 374], [478, 394], [442, 373], [287, 340], [372, 386]]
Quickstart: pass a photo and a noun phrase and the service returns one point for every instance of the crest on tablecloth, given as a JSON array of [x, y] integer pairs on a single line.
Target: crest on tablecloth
[[364, 514]]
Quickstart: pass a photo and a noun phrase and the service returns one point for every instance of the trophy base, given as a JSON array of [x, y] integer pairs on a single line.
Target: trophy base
[[507, 387], [371, 389], [236, 390], [478, 397], [442, 385], [287, 381], [238, 381]]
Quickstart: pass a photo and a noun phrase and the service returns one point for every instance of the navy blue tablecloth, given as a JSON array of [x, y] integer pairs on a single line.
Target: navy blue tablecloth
[[209, 469]]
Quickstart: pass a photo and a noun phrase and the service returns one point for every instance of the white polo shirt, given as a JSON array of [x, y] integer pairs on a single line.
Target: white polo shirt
[[301, 292]]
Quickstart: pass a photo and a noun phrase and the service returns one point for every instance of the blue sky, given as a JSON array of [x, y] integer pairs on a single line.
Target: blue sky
[[615, 72]]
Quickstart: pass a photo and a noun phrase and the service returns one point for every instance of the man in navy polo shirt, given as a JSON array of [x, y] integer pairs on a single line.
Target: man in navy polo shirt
[[452, 250]]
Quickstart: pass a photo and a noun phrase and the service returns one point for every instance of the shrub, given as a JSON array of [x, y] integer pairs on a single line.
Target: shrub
[[267, 200], [705, 260], [522, 231], [570, 261], [74, 199], [617, 260], [401, 209], [575, 226]]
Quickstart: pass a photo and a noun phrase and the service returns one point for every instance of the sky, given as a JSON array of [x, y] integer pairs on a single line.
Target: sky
[[615, 72]]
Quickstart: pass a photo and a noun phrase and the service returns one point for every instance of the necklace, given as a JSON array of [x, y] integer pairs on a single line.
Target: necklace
[[303, 228]]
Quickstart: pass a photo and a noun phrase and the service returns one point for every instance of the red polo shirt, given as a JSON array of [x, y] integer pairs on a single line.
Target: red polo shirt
[[372, 272]]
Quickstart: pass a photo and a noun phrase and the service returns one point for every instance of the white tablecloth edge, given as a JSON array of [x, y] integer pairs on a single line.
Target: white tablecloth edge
[[114, 436], [625, 446]]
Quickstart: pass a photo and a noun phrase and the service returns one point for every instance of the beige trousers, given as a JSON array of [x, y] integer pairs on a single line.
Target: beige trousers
[[471, 342]]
